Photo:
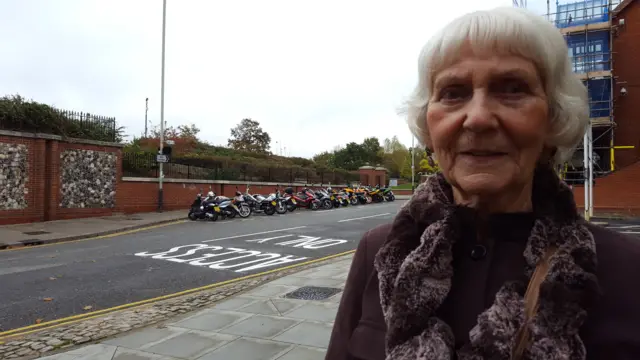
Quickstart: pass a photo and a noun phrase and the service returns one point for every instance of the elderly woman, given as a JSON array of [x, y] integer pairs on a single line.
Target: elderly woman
[[490, 259]]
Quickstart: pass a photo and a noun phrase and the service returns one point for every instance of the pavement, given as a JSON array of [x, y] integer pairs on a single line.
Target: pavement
[[52, 282], [288, 319], [39, 233]]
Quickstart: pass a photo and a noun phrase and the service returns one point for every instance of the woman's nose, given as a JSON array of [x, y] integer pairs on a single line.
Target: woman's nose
[[480, 115]]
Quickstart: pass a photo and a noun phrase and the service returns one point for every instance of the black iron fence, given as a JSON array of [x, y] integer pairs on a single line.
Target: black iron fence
[[144, 165], [19, 115]]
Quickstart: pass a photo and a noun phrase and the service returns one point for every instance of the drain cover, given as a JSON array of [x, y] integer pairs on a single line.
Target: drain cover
[[312, 293], [35, 232]]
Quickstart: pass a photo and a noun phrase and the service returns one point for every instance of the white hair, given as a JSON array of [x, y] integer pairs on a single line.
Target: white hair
[[512, 31]]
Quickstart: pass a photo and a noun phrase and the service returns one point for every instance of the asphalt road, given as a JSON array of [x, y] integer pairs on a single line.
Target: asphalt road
[[57, 281]]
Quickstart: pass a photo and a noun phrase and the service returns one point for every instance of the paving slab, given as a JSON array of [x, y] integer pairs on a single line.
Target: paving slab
[[248, 349], [314, 334], [304, 353], [188, 345], [211, 320], [260, 326], [138, 339]]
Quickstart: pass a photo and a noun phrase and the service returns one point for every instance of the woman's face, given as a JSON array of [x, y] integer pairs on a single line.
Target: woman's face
[[488, 121]]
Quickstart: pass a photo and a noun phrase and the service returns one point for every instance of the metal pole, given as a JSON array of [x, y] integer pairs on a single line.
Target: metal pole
[[590, 171], [146, 110], [413, 171], [160, 172], [585, 166]]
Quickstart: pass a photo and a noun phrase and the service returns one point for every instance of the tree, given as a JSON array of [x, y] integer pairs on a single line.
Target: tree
[[372, 151], [188, 131], [428, 166], [395, 157], [325, 159], [350, 158], [249, 136]]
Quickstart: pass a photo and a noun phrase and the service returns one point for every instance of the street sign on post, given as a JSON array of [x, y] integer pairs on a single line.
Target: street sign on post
[[162, 158]]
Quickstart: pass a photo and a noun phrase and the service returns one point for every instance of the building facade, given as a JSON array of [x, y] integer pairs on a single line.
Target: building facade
[[602, 46]]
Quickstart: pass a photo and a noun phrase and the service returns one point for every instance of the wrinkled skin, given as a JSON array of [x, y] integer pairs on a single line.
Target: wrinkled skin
[[488, 123]]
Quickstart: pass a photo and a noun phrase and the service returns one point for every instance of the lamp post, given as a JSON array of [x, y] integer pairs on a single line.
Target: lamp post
[[160, 165], [146, 110]]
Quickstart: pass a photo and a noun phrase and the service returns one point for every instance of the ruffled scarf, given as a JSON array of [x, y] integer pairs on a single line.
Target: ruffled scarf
[[415, 271]]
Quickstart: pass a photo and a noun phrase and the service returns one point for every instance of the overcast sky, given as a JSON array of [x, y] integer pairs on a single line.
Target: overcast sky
[[315, 74]]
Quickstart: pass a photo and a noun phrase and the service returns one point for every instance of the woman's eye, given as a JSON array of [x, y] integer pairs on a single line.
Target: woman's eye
[[451, 93]]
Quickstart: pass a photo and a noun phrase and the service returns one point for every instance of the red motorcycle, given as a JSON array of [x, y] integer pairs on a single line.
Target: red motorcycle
[[304, 199]]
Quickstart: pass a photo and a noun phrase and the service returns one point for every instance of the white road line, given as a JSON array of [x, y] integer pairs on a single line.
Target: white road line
[[258, 233], [364, 217]]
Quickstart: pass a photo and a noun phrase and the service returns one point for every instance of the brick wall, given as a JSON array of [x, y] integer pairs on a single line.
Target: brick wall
[[372, 176], [43, 185], [35, 184], [618, 193], [141, 194], [625, 59]]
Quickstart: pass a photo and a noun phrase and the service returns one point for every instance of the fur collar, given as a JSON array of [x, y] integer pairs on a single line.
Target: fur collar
[[415, 270]]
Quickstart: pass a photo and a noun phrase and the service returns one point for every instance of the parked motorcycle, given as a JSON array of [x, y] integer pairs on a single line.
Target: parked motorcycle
[[353, 198], [281, 202], [306, 198], [229, 208], [326, 200], [290, 201], [204, 208], [388, 194], [376, 194], [260, 204]]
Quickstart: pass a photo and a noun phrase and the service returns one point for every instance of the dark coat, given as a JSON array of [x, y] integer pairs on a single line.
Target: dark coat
[[612, 330]]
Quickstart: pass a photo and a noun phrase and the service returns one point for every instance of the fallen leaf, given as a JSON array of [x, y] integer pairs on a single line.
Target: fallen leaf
[[88, 307], [38, 321], [47, 299]]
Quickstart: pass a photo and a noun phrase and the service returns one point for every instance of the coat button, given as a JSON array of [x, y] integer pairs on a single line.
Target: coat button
[[478, 252]]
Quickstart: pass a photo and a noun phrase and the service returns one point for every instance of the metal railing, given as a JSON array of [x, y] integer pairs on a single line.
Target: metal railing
[[144, 165], [36, 118]]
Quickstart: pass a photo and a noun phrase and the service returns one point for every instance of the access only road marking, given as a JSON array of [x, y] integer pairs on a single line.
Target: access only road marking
[[258, 233]]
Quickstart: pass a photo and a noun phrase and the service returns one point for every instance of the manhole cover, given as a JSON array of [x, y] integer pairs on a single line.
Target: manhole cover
[[35, 232], [312, 293]]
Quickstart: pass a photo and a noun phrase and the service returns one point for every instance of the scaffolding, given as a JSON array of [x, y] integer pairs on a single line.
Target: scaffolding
[[587, 28]]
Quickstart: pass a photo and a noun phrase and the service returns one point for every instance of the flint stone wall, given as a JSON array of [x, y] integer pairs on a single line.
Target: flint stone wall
[[87, 179], [14, 175]]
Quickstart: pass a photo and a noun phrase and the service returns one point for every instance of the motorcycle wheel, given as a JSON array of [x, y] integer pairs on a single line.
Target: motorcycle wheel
[[192, 216], [270, 210], [244, 211], [281, 208], [369, 199], [378, 198], [314, 206], [291, 207], [391, 198], [214, 217], [231, 215], [354, 201], [327, 204]]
